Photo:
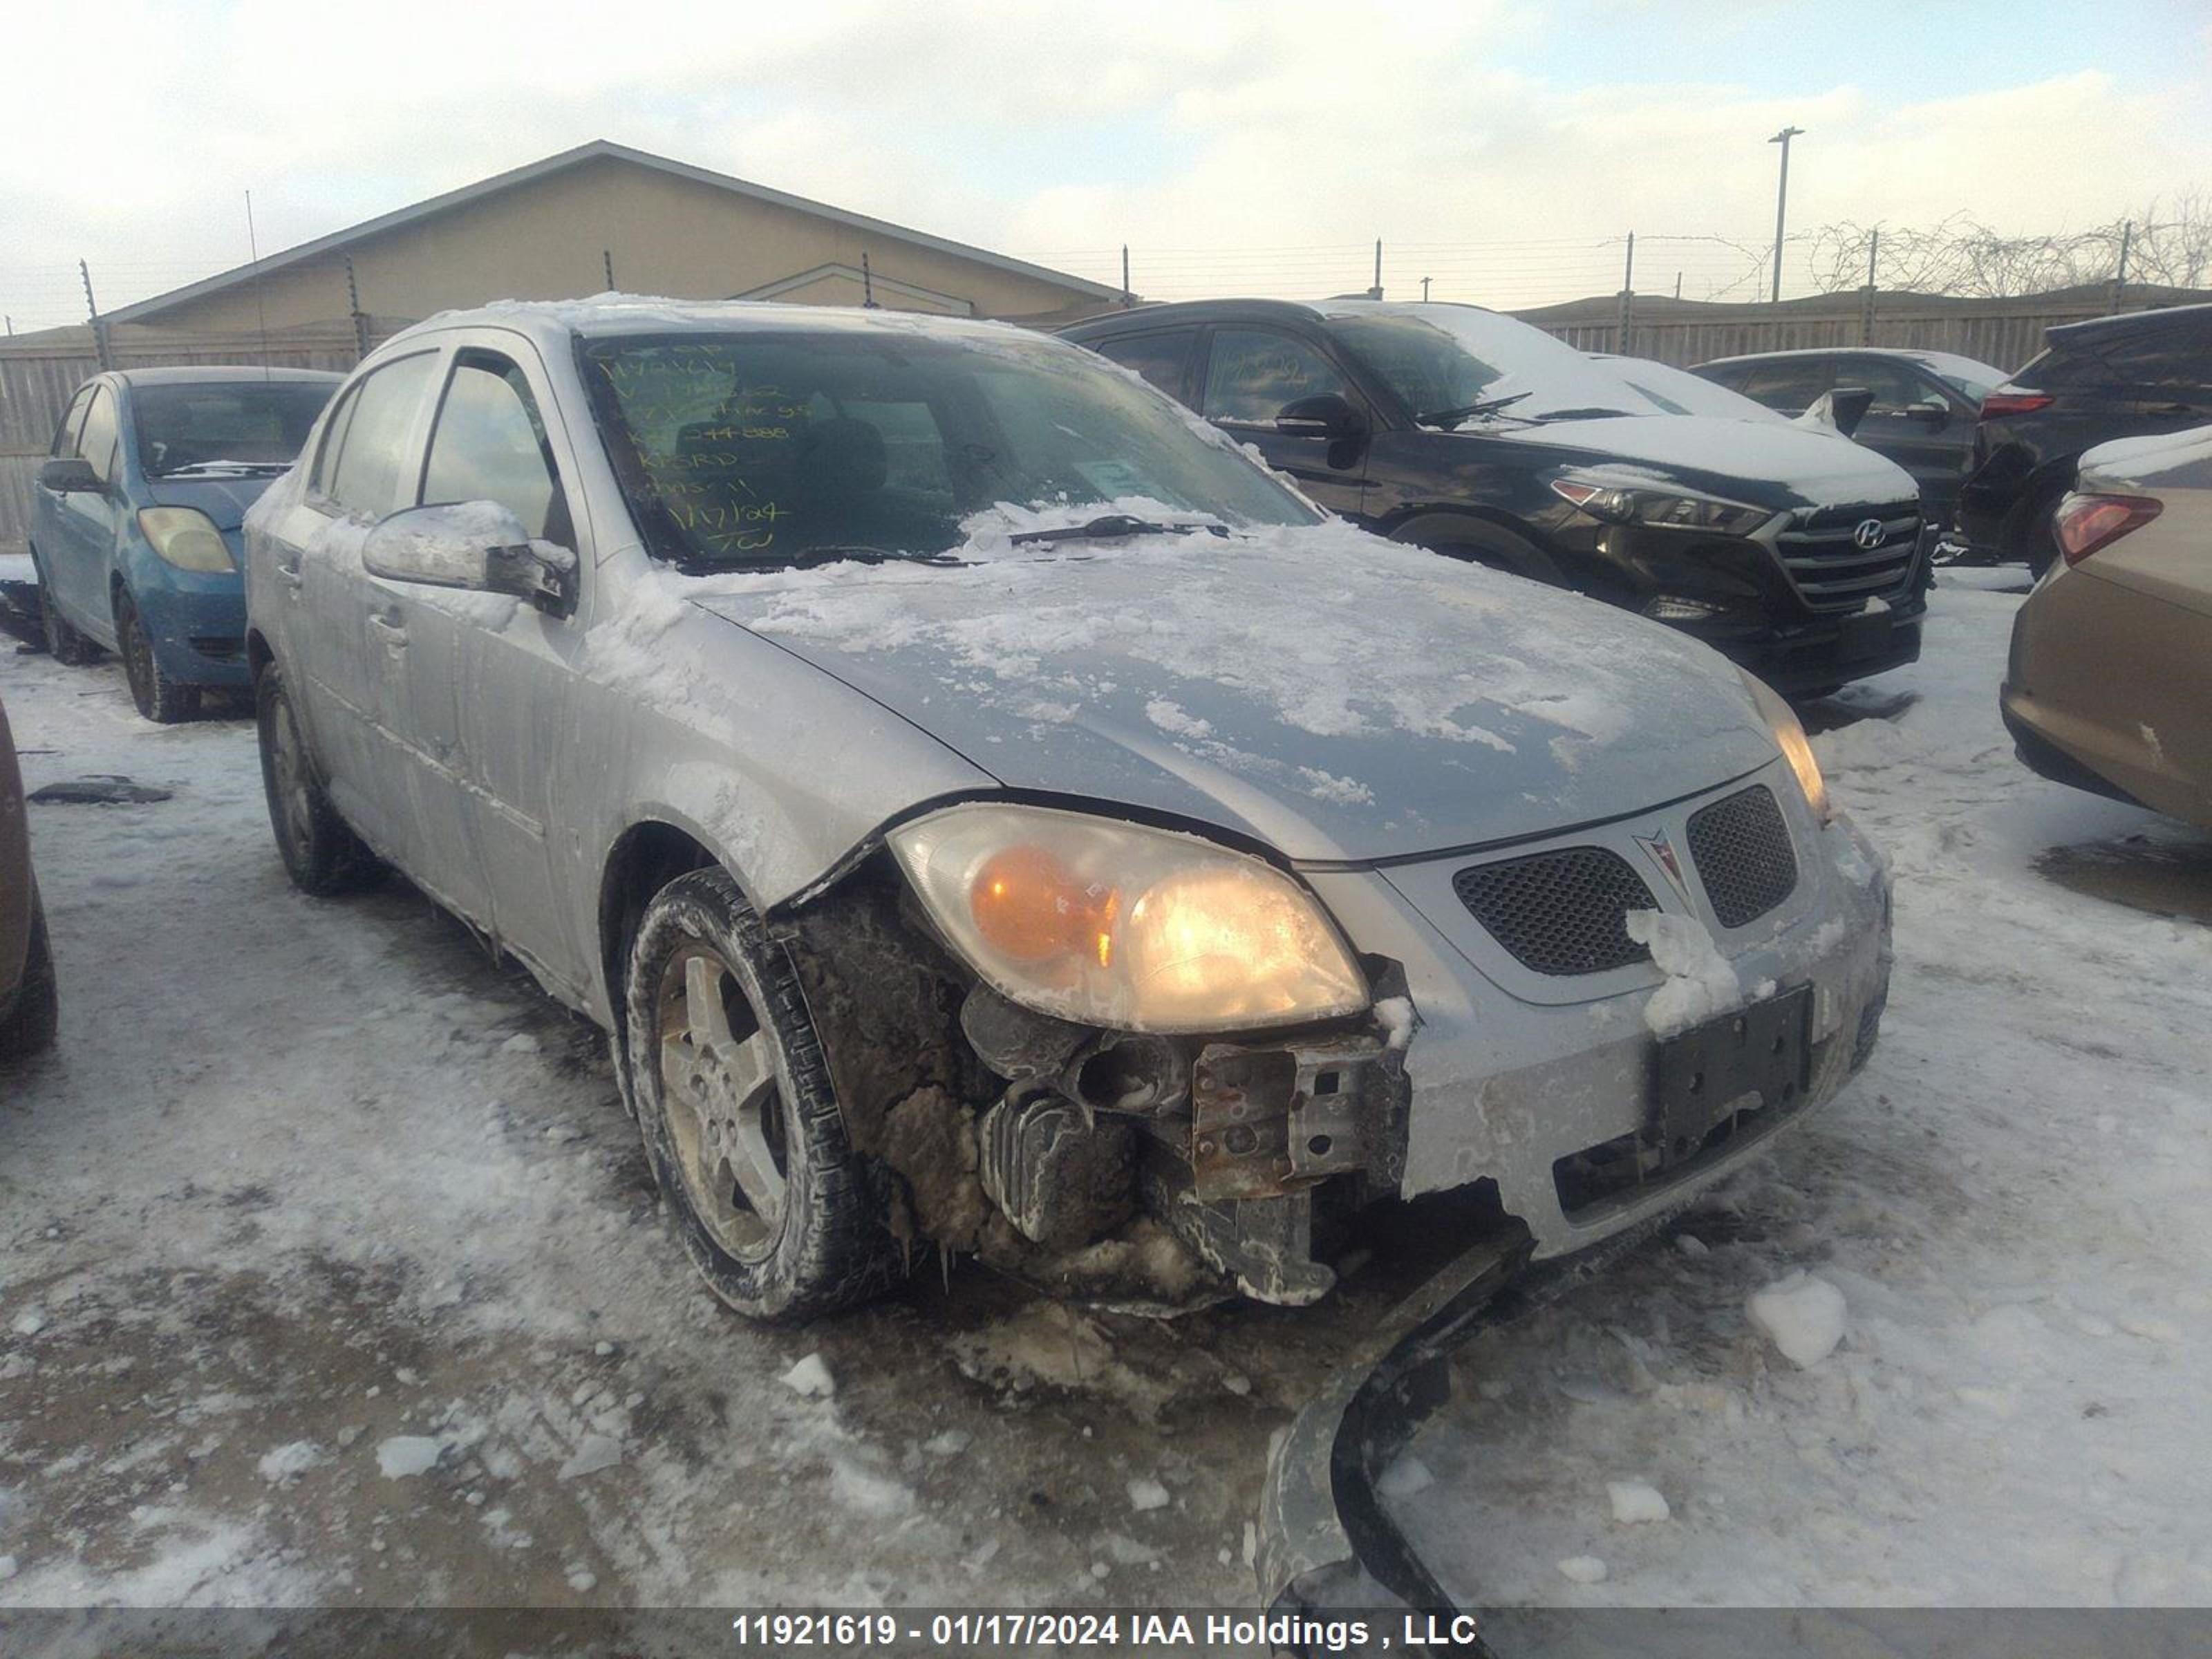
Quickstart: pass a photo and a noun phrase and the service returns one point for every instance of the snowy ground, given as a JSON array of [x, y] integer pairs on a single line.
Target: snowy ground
[[330, 1272], [2011, 1201]]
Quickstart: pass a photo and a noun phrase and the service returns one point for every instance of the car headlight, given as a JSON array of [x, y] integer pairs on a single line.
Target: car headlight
[[1113, 924], [1658, 508], [185, 537], [1790, 738]]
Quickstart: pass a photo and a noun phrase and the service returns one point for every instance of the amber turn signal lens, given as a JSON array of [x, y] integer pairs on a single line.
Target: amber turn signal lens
[[1031, 906]]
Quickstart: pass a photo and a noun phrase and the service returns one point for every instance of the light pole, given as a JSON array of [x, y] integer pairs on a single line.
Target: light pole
[[1782, 202]]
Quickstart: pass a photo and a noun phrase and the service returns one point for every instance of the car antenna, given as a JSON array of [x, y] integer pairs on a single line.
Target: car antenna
[[260, 311]]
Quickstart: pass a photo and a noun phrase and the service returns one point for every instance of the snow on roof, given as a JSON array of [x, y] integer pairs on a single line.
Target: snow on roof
[[611, 315]]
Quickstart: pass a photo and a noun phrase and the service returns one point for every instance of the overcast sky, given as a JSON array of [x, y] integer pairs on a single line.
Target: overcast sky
[[1496, 146]]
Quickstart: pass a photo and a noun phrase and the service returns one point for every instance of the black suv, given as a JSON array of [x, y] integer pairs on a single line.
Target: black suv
[[1798, 554], [2114, 377], [1921, 415]]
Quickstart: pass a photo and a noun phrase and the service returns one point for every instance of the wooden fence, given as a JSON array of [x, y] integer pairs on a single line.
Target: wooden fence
[[2003, 333]]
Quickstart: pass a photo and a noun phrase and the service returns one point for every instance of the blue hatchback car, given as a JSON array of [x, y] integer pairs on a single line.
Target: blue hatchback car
[[135, 527]]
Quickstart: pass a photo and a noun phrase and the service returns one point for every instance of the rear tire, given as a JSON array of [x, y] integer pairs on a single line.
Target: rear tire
[[740, 1121], [320, 853], [29, 1026], [64, 643], [160, 697]]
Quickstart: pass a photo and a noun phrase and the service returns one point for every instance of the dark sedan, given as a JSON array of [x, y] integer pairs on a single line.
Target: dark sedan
[[1922, 414], [1797, 554]]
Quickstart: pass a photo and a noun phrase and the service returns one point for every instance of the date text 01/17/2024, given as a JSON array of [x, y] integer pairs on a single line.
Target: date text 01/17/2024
[[918, 1632]]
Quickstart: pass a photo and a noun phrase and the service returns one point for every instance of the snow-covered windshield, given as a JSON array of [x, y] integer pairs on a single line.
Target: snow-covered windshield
[[1457, 363], [1970, 380], [785, 445], [187, 428], [1678, 391]]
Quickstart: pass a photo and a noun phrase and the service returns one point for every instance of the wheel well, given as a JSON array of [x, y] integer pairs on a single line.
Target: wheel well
[[258, 656], [645, 859], [1514, 545]]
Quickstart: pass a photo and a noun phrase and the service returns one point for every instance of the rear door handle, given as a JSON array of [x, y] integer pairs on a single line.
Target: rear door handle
[[395, 636]]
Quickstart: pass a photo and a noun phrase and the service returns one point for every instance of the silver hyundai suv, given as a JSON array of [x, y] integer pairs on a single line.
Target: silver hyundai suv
[[993, 815]]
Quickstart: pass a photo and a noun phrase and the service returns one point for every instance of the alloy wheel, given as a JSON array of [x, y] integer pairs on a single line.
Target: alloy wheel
[[722, 1097]]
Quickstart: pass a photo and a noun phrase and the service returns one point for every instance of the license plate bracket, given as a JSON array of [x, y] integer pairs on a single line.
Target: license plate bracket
[[1864, 636], [1759, 1056]]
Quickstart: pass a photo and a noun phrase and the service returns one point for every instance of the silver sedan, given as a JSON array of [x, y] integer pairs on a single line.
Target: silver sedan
[[991, 815]]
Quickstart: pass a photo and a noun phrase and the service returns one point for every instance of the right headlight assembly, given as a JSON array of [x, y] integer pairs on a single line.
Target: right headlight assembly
[[1660, 509], [1112, 924], [1789, 737]]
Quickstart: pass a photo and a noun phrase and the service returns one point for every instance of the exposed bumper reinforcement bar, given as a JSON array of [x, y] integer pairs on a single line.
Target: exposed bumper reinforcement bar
[[1327, 1542]]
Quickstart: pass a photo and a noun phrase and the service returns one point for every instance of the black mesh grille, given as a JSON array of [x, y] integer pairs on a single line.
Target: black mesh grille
[[1558, 913], [1741, 847]]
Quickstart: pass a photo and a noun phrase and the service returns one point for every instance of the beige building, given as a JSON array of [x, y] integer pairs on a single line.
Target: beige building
[[551, 230]]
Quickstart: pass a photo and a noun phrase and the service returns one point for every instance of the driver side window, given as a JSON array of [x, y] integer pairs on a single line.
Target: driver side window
[[1252, 374], [489, 444]]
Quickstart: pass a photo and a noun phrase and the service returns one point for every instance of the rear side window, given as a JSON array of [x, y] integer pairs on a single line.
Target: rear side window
[[368, 461], [1161, 358], [2178, 357], [1791, 385], [65, 435], [489, 444], [1254, 374], [97, 445]]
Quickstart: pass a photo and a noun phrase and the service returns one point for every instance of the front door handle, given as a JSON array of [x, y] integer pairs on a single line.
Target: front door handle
[[394, 636], [290, 576]]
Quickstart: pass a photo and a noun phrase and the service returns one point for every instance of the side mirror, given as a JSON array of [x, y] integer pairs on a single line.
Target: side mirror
[[1930, 413], [480, 546], [1325, 414], [70, 475]]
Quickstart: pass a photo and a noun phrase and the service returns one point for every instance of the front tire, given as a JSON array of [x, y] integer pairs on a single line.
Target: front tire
[[160, 697], [29, 1026], [320, 853], [64, 643], [740, 1121]]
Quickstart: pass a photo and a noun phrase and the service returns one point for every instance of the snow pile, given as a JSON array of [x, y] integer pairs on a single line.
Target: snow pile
[[288, 1461], [1635, 1501], [1144, 1494], [406, 1455], [1700, 983], [1802, 1316], [810, 1379]]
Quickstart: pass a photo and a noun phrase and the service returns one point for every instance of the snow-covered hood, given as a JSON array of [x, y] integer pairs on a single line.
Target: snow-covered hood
[[1338, 697], [223, 499], [1755, 462]]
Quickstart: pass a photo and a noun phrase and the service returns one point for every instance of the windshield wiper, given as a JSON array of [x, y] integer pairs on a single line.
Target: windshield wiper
[[860, 553], [1594, 413], [254, 467], [1451, 418], [1115, 526]]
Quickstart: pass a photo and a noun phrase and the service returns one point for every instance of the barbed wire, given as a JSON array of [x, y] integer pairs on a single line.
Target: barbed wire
[[2168, 244]]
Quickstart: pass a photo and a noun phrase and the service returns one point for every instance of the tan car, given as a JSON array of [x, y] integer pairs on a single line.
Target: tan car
[[28, 1008], [2110, 684]]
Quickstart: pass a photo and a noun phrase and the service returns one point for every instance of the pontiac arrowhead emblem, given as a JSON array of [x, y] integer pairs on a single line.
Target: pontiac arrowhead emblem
[[1660, 851]]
